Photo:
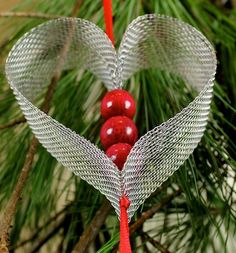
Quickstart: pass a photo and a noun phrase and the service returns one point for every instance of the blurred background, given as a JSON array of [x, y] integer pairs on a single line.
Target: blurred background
[[57, 212]]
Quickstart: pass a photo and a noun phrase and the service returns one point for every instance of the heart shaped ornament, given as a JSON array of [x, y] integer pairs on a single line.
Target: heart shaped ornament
[[150, 41]]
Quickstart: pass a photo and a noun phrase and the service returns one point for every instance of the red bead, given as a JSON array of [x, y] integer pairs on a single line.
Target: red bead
[[118, 129], [118, 102], [118, 153]]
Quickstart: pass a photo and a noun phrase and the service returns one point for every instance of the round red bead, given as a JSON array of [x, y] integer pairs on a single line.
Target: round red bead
[[118, 129], [118, 153], [118, 102]]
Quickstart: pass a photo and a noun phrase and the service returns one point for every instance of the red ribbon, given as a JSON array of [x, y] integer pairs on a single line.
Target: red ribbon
[[124, 226], [107, 6]]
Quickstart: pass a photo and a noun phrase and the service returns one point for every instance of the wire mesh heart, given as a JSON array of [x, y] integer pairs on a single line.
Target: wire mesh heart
[[150, 41]]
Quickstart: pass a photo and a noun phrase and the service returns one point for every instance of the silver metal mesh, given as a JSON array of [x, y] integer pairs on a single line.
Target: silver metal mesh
[[150, 41], [171, 45]]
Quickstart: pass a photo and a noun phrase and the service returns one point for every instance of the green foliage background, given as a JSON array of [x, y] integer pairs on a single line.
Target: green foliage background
[[202, 218]]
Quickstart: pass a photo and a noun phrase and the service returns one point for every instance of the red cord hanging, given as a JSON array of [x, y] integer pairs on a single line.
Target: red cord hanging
[[124, 201], [107, 6], [124, 226]]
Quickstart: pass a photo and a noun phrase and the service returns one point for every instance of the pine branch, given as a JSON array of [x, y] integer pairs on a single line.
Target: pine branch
[[91, 232], [28, 15], [10, 209], [149, 213], [48, 235], [48, 223], [144, 246], [11, 206], [13, 123], [155, 243]]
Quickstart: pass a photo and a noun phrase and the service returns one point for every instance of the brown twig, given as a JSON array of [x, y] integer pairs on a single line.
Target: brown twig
[[76, 8], [48, 223], [143, 240], [91, 232], [8, 215], [3, 44], [149, 213], [13, 123], [41, 241], [11, 205], [155, 243], [28, 15]]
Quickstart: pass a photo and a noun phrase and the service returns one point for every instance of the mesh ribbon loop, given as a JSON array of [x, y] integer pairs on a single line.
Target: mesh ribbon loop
[[150, 41]]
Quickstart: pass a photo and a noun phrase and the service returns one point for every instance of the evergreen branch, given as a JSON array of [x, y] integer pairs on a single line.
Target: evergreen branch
[[10, 209], [35, 235], [91, 232], [150, 212], [145, 248], [11, 206], [28, 15], [13, 123], [155, 243], [48, 235]]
